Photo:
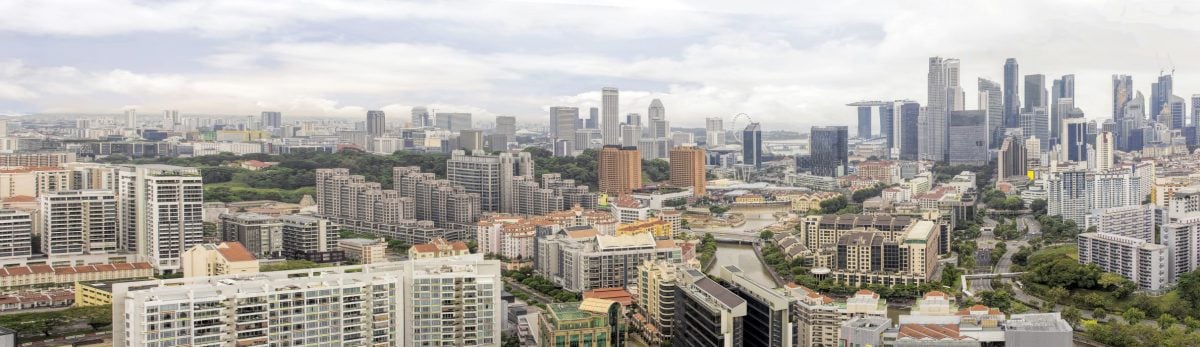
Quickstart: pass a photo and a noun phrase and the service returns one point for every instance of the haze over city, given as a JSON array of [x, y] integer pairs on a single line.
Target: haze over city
[[783, 63]]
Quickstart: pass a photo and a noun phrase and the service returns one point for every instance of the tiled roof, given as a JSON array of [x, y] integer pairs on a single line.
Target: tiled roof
[[234, 251], [930, 331]]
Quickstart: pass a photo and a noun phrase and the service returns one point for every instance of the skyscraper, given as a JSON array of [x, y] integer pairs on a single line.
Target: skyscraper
[[991, 101], [1160, 94], [490, 176], [507, 126], [611, 123], [1012, 96], [752, 145], [908, 131], [968, 138], [162, 210], [420, 117], [657, 120], [631, 135], [956, 98], [1122, 93], [937, 113], [1104, 151], [864, 122], [270, 119], [1035, 92], [453, 121], [131, 118], [1195, 110], [562, 122], [1062, 102], [887, 123], [687, 169], [1035, 123], [1177, 108], [714, 132], [1058, 113], [829, 151], [1011, 160], [593, 121], [376, 124], [620, 170], [1074, 139]]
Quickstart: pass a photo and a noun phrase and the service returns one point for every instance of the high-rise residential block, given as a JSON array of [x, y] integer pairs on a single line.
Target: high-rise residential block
[[272, 119], [1136, 259], [162, 212], [310, 238], [829, 149], [261, 234], [599, 261], [1105, 142], [16, 234], [620, 170], [1136, 221], [421, 207], [687, 169], [610, 121], [490, 176], [376, 123], [78, 222], [37, 159]]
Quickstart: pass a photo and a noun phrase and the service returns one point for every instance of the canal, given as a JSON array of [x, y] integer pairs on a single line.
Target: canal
[[743, 257]]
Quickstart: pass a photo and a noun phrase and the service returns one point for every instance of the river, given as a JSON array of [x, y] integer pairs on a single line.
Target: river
[[743, 257]]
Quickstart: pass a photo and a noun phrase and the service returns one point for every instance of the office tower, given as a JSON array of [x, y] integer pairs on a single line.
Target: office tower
[[633, 119], [887, 124], [631, 135], [1129, 130], [262, 235], [968, 138], [507, 126], [908, 140], [752, 145], [162, 212], [937, 112], [769, 320], [955, 96], [310, 238], [388, 304], [620, 170], [1160, 94], [829, 151], [78, 222], [1012, 96], [600, 261], [706, 313], [1074, 141], [864, 122], [657, 120], [593, 120], [991, 101], [420, 117], [1062, 107], [714, 132], [687, 169], [131, 118], [490, 176], [1062, 102], [1138, 260], [1035, 92], [679, 138], [1177, 108], [376, 123], [592, 322], [16, 234], [170, 120], [1122, 93], [562, 122], [588, 139], [610, 123], [1104, 151], [1011, 160], [453, 121], [1035, 124], [272, 119], [470, 139]]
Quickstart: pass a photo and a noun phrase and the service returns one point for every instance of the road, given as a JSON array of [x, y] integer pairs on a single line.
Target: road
[[517, 286]]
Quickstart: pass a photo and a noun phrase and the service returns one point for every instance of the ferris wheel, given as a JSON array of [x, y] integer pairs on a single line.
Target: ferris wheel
[[739, 121]]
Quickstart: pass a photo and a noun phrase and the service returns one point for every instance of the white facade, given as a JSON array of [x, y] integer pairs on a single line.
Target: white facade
[[162, 212], [1135, 221], [78, 222], [610, 123], [16, 234], [1142, 262]]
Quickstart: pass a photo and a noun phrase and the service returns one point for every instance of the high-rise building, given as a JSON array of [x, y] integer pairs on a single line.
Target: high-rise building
[[937, 111], [1011, 160], [421, 118], [1160, 94], [687, 169], [656, 122], [470, 139], [453, 121], [592, 322], [1012, 93], [769, 320], [131, 118], [752, 145], [1195, 120], [262, 235], [376, 123], [631, 135], [610, 121], [562, 122], [388, 304], [1058, 115], [956, 98], [887, 124], [655, 295], [911, 256], [714, 132], [829, 148], [310, 238], [1074, 140], [1035, 124], [490, 176], [1136, 221], [991, 101], [1138, 260], [599, 261], [1122, 93], [16, 234], [1104, 150], [968, 138], [37, 159], [272, 119], [162, 212], [620, 170], [1035, 92], [706, 313], [864, 122], [593, 121], [908, 130], [1177, 108], [507, 126], [78, 222]]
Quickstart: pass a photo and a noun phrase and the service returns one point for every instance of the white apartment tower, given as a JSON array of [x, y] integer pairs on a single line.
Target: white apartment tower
[[162, 212], [78, 222], [16, 234], [610, 118], [1104, 150]]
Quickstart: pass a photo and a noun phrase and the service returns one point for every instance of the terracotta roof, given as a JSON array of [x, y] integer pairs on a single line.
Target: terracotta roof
[[615, 294], [20, 198], [576, 234], [234, 251], [930, 331], [425, 248]]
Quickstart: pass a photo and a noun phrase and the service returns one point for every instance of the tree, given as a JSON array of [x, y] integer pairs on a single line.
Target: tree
[[831, 206], [1038, 207], [1192, 323], [1133, 315], [1099, 313], [1056, 294], [766, 234], [1189, 288], [1166, 321], [1071, 315]]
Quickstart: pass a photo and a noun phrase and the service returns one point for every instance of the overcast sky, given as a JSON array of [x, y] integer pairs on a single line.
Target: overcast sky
[[789, 64]]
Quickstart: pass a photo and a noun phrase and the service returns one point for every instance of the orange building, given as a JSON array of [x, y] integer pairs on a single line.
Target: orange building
[[620, 170], [687, 168]]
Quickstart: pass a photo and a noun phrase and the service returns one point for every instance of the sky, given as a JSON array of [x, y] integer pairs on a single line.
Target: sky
[[787, 64]]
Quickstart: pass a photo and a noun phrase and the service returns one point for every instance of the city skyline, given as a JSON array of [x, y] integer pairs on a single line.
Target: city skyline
[[781, 65]]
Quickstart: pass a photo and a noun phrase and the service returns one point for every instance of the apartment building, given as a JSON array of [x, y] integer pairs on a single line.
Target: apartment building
[[489, 176], [706, 313], [225, 258], [863, 258], [1136, 259], [78, 222], [16, 234], [655, 297], [162, 212], [261, 234], [39, 159], [687, 168], [420, 209], [620, 170], [310, 238], [599, 261], [819, 318], [438, 248]]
